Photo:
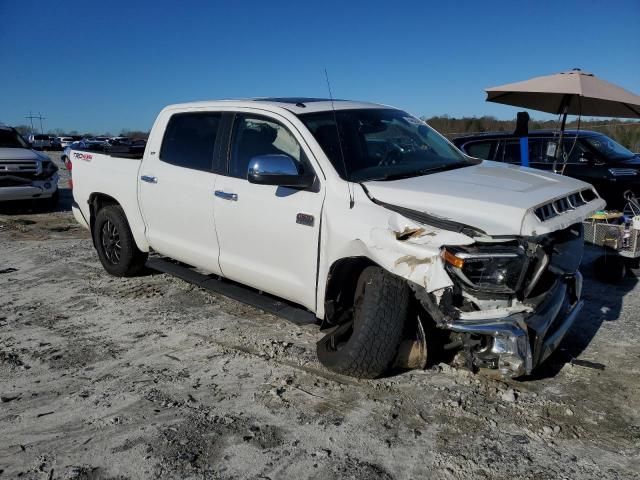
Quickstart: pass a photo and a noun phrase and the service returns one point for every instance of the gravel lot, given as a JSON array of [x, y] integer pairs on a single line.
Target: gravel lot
[[150, 377]]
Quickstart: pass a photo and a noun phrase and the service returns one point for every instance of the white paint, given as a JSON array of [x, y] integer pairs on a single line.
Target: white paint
[[36, 188], [257, 241]]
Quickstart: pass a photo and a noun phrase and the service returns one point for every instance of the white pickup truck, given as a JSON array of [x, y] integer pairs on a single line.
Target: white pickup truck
[[359, 213]]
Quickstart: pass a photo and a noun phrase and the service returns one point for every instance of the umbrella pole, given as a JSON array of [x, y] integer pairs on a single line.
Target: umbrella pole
[[560, 149]]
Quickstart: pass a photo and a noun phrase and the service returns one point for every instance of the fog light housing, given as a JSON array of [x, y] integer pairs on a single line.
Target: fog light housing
[[47, 185]]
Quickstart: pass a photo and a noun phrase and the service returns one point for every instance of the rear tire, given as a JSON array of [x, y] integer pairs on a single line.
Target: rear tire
[[114, 242], [368, 346]]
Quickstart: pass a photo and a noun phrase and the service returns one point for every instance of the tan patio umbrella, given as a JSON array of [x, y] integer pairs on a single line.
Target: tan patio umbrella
[[568, 93]]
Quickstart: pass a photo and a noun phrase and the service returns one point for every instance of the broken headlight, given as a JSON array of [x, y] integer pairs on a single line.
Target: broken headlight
[[489, 268]]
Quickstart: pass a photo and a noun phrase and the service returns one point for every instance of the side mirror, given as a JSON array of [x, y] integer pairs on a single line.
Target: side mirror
[[587, 157], [278, 170]]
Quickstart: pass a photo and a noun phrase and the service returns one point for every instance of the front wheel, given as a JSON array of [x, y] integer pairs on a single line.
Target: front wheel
[[367, 346], [114, 242]]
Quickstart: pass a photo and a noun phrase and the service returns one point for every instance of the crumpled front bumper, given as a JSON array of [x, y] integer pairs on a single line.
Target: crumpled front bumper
[[521, 341]]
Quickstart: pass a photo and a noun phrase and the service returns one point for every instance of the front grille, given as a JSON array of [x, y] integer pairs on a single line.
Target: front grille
[[561, 205], [19, 166]]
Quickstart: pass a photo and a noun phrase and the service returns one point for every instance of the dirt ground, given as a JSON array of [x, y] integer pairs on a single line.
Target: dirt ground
[[149, 377]]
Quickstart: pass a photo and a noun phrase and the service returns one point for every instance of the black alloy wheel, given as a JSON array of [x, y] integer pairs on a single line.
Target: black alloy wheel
[[110, 239]]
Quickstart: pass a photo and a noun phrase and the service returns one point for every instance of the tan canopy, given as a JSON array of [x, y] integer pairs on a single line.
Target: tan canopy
[[580, 92]]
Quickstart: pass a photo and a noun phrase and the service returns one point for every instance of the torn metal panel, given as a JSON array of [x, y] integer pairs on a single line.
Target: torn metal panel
[[412, 251]]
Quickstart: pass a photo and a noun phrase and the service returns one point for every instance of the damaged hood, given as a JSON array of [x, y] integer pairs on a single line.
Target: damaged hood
[[496, 198]]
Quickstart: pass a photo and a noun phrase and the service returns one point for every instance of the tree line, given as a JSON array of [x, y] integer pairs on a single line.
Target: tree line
[[25, 131], [626, 133]]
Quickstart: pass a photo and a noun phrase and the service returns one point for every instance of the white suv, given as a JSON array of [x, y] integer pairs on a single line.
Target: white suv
[[24, 173]]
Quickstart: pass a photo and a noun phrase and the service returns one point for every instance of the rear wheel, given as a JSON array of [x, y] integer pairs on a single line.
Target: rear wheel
[[367, 345], [114, 242]]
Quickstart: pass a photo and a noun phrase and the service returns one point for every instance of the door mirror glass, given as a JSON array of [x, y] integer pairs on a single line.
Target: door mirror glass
[[277, 169]]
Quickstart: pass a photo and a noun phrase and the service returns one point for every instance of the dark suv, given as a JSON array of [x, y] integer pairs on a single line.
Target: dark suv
[[592, 157]]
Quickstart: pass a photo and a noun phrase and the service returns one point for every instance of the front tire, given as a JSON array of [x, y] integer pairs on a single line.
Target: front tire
[[367, 346], [114, 242]]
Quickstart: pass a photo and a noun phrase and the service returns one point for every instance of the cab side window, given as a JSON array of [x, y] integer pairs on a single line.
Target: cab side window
[[484, 150], [510, 151], [254, 136], [189, 140]]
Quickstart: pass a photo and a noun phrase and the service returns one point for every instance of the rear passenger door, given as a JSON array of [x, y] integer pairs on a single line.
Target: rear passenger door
[[176, 185]]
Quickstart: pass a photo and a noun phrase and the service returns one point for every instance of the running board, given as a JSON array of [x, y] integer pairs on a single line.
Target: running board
[[235, 291]]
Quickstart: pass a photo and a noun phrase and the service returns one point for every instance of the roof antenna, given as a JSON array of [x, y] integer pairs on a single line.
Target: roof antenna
[[344, 163]]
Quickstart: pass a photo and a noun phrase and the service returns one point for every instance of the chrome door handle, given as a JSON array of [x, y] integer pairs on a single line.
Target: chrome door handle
[[149, 179], [226, 196]]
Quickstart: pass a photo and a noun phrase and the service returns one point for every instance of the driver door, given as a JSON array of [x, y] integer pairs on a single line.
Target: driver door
[[268, 234]]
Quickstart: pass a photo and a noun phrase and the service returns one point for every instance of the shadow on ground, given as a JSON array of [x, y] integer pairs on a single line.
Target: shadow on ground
[[603, 303]]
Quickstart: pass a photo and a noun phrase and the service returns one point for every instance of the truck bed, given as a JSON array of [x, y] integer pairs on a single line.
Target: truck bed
[[110, 175], [121, 151]]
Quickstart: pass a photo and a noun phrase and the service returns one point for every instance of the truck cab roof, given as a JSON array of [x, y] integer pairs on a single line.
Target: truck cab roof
[[296, 105]]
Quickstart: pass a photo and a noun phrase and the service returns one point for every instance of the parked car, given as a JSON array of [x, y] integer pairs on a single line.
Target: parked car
[[40, 142], [95, 143], [24, 173], [65, 142], [76, 145], [119, 141], [382, 230], [592, 157], [55, 144]]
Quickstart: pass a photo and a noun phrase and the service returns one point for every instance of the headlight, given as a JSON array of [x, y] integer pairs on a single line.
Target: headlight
[[489, 268], [49, 167]]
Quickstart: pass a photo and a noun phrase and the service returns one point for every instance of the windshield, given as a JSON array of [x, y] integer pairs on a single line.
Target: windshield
[[381, 144], [11, 139], [608, 147]]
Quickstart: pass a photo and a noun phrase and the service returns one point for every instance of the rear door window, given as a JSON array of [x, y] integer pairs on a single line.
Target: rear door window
[[484, 150], [510, 151], [190, 139]]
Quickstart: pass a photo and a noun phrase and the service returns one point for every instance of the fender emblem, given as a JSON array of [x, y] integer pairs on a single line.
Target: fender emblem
[[305, 219]]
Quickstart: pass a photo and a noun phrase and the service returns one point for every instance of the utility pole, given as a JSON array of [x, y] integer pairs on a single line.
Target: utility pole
[[31, 116]]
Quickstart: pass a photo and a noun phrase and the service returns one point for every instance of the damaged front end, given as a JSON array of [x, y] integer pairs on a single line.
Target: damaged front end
[[512, 300]]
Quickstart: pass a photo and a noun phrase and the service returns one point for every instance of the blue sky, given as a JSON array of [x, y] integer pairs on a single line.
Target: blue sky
[[104, 66]]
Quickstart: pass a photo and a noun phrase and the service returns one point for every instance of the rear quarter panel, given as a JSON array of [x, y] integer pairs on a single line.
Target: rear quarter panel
[[96, 173]]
